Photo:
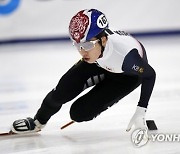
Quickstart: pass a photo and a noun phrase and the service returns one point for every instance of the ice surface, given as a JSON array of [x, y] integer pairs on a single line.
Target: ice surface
[[28, 72]]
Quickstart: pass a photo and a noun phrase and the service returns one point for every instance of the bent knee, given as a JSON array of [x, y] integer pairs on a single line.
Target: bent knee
[[79, 114]]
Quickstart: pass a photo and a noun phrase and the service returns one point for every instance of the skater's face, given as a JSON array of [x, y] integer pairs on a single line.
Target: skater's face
[[93, 51]]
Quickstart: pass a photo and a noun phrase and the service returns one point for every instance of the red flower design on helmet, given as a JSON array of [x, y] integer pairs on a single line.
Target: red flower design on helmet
[[78, 26]]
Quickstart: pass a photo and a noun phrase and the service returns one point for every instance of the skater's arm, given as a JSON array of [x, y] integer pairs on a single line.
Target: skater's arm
[[134, 65]]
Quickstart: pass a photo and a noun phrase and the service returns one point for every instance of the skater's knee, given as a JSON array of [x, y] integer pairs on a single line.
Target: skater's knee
[[78, 117], [78, 114], [75, 117]]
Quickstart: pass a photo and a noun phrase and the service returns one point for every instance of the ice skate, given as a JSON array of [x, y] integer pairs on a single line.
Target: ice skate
[[27, 125]]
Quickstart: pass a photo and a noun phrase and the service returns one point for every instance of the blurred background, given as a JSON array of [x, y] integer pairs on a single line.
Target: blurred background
[[49, 19], [35, 51]]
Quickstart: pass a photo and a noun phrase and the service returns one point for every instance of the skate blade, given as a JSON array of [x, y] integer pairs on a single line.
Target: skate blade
[[8, 133]]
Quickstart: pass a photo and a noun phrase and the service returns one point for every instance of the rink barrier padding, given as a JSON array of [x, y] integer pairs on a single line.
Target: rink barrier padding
[[66, 38]]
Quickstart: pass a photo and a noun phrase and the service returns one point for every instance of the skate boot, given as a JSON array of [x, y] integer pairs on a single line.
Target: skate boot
[[27, 125]]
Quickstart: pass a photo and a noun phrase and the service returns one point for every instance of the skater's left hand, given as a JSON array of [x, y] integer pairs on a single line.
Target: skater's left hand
[[138, 119]]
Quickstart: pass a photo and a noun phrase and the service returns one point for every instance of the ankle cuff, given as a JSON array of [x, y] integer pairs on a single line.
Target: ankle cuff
[[38, 124]]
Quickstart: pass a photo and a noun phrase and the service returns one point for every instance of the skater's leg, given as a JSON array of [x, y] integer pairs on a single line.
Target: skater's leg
[[79, 77], [102, 96]]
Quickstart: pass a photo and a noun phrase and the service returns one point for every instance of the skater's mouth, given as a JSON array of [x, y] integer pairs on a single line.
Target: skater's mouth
[[86, 59]]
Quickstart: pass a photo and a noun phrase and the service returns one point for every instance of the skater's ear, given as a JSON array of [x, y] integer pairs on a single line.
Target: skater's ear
[[103, 40]]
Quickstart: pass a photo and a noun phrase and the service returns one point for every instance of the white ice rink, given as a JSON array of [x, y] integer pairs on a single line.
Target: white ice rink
[[29, 71]]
